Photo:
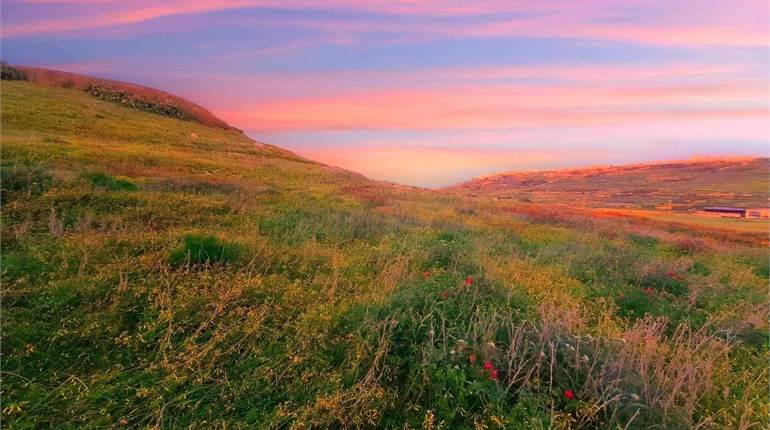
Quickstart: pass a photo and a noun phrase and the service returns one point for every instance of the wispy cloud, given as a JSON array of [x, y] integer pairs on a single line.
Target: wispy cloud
[[434, 91], [506, 106], [588, 19]]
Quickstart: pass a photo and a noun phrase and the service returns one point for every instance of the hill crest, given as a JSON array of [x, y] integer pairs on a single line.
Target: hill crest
[[684, 184], [127, 94]]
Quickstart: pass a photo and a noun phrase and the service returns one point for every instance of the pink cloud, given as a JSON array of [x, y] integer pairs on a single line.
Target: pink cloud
[[489, 106], [566, 19]]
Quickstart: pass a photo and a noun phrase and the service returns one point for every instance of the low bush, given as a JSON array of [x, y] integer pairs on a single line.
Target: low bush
[[103, 180], [198, 249], [137, 102], [10, 73], [26, 179]]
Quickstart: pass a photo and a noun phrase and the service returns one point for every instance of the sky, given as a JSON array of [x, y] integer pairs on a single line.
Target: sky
[[434, 92]]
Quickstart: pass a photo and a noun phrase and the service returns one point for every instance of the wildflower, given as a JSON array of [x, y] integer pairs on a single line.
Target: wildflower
[[493, 375], [621, 296], [468, 281], [445, 295], [648, 291], [569, 394], [123, 421], [472, 358], [426, 274], [488, 365]]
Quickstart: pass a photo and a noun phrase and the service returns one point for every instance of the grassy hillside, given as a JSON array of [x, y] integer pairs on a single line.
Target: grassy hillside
[[161, 274], [130, 95], [684, 184]]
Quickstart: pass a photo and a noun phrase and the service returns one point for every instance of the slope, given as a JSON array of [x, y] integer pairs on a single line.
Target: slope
[[127, 94], [159, 273], [683, 184]]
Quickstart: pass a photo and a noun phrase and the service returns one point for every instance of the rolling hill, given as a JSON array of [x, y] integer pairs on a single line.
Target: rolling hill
[[130, 95], [161, 273], [682, 184]]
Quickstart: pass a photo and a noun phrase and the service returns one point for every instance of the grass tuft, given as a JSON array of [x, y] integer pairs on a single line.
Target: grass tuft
[[197, 249], [111, 183]]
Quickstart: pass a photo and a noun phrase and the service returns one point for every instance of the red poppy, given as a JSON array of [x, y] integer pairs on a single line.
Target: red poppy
[[493, 375], [445, 294], [472, 358], [488, 365], [648, 291], [569, 394], [468, 281], [426, 274]]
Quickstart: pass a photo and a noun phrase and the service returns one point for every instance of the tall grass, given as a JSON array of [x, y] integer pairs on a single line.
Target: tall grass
[[232, 285]]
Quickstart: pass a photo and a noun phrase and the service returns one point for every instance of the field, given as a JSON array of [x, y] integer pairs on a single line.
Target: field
[[158, 273], [687, 219], [682, 185]]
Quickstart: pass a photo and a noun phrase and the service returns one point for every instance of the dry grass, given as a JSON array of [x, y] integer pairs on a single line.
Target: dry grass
[[310, 297]]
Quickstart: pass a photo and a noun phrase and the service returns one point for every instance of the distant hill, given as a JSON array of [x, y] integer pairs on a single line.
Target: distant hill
[[130, 95], [682, 184]]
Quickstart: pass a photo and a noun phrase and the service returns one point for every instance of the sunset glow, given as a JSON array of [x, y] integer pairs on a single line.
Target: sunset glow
[[434, 92]]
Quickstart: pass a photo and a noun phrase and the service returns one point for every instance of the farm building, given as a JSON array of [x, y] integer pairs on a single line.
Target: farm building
[[725, 212], [758, 213], [729, 212]]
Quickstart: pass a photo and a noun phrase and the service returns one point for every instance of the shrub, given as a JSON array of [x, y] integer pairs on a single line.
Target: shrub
[[26, 179], [103, 180], [10, 73], [689, 245], [204, 249], [137, 102]]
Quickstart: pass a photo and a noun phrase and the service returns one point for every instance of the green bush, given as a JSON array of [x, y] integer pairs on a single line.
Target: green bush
[[31, 180], [199, 249], [670, 282], [103, 180]]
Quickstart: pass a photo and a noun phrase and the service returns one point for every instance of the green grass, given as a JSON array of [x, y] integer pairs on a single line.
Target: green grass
[[102, 180], [155, 280], [203, 250]]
